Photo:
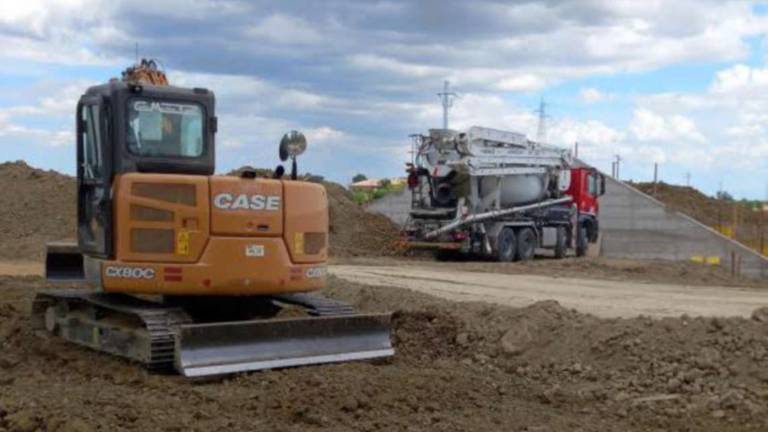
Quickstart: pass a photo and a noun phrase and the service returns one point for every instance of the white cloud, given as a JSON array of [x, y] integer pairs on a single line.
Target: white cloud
[[284, 29], [375, 62], [649, 126], [323, 134], [525, 82], [593, 95]]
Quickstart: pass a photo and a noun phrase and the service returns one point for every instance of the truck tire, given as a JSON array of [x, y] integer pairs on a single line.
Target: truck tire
[[526, 244], [582, 243], [561, 243], [506, 245]]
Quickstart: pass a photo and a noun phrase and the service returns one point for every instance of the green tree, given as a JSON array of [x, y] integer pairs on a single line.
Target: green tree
[[359, 178], [385, 183]]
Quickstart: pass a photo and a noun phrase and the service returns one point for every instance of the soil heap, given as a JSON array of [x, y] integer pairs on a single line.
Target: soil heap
[[747, 224], [38, 206], [353, 231]]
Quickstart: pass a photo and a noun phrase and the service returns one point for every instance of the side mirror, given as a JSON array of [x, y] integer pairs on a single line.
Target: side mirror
[[602, 185], [293, 144]]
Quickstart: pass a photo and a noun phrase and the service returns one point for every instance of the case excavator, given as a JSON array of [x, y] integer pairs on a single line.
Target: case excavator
[[177, 268]]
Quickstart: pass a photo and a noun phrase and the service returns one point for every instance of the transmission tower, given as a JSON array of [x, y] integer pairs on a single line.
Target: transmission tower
[[446, 97]]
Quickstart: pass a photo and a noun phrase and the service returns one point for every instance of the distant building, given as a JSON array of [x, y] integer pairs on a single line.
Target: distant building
[[365, 185], [373, 184]]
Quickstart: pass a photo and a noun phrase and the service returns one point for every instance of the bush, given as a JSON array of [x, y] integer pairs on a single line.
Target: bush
[[379, 193], [360, 197]]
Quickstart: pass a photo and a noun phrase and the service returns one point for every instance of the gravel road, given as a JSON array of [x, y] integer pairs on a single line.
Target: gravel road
[[604, 298]]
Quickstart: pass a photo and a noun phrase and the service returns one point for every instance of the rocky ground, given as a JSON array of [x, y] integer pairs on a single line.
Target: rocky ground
[[459, 366]]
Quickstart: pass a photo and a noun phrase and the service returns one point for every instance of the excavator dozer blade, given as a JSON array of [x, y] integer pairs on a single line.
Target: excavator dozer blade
[[230, 347]]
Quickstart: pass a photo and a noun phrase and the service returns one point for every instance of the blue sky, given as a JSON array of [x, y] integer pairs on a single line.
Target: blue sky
[[683, 84]]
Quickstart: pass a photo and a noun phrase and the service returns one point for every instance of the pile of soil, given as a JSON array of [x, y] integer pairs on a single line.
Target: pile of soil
[[36, 207], [459, 366], [749, 225], [353, 231]]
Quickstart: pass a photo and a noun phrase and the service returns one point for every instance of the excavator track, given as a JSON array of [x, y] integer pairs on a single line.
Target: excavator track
[[164, 337], [129, 327]]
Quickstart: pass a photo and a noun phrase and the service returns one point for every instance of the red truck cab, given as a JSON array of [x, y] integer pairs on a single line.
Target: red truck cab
[[587, 185]]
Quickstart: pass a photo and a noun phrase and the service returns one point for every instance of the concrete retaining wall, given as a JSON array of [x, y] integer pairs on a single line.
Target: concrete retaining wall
[[635, 225], [395, 206]]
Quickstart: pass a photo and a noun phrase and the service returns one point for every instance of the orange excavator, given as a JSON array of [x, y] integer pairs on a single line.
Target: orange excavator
[[177, 268]]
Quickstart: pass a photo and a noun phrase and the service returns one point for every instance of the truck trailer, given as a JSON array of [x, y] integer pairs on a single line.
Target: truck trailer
[[491, 193]]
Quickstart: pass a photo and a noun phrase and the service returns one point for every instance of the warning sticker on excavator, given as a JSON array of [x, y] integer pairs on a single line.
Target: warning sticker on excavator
[[182, 243], [254, 250]]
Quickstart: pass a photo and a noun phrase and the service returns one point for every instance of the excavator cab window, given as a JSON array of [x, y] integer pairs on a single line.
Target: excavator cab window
[[92, 164], [165, 129]]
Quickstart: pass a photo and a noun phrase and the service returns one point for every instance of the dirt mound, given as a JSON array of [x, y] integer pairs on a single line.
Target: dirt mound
[[747, 225], [355, 232], [36, 206], [459, 366]]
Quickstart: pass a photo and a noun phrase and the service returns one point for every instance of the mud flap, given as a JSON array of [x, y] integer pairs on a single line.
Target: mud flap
[[223, 348]]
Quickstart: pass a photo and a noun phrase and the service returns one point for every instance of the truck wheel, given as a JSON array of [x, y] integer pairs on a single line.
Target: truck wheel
[[581, 242], [506, 245], [561, 243], [526, 244]]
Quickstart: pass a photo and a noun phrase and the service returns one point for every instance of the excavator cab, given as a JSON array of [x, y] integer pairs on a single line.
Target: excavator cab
[[221, 255], [124, 127]]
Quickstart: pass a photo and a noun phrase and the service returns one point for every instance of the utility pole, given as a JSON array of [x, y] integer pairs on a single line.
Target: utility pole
[[763, 217], [541, 133], [655, 178], [576, 149], [618, 163], [446, 97], [688, 179]]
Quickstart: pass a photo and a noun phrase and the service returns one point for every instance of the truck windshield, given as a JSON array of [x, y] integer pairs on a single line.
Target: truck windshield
[[171, 129]]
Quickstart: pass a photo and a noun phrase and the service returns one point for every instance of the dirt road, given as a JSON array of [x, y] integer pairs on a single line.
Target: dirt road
[[604, 298]]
